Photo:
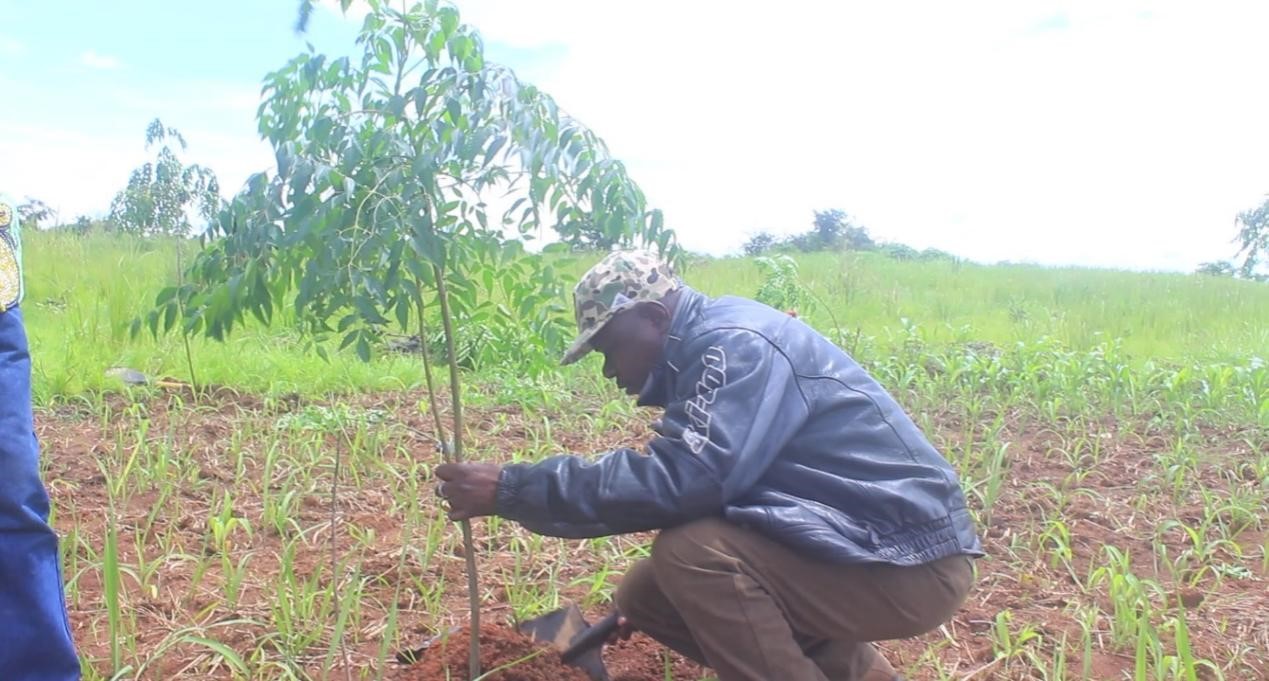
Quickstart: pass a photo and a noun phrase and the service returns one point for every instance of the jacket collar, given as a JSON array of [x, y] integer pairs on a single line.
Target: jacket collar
[[659, 387]]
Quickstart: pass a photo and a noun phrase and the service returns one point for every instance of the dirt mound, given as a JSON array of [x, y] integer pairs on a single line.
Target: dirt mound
[[526, 659], [642, 659], [639, 659]]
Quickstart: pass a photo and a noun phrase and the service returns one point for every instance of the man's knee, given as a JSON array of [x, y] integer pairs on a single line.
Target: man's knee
[[689, 545], [637, 589]]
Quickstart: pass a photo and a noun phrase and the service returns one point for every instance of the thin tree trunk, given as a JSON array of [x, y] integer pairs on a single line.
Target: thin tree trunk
[[442, 442], [180, 278], [473, 583]]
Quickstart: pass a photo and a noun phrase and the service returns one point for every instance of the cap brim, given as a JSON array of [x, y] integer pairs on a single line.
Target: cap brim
[[581, 345], [579, 349]]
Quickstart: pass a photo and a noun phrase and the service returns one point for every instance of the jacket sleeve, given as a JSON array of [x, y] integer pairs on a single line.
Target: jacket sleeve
[[733, 410]]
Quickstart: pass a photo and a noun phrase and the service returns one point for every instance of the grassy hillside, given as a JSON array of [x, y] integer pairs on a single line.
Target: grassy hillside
[[83, 293], [1169, 316]]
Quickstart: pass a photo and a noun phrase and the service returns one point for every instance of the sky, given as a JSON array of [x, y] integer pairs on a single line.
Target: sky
[[1106, 133]]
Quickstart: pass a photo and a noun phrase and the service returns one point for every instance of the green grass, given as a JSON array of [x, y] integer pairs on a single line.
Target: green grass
[[1157, 316], [84, 292]]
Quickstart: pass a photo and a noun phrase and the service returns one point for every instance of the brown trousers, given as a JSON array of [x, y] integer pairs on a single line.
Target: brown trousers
[[755, 610]]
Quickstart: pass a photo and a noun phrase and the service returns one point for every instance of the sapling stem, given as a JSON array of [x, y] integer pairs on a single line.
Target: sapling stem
[[456, 455]]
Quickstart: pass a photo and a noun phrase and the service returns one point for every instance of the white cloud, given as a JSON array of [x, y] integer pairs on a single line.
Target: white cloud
[[1116, 134], [78, 168], [357, 9], [11, 47], [78, 172], [99, 61], [1122, 134]]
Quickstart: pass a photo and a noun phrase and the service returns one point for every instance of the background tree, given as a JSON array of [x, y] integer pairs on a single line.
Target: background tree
[[33, 211], [856, 238], [833, 229], [759, 243], [377, 213], [937, 254], [829, 225], [1217, 268], [1253, 240], [899, 251], [161, 195]]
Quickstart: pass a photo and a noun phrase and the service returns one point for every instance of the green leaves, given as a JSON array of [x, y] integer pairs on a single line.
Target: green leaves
[[781, 288], [448, 17], [392, 163], [160, 195]]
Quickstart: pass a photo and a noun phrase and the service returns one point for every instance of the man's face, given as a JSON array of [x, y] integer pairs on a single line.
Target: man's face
[[632, 343]]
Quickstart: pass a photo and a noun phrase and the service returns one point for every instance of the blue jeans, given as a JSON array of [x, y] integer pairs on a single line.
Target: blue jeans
[[35, 638]]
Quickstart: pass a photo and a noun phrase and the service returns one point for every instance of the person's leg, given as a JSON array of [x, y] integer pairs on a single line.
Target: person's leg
[[838, 658], [35, 639], [758, 610], [640, 601]]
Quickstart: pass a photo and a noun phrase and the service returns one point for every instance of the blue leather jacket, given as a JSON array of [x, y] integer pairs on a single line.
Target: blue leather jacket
[[770, 425]]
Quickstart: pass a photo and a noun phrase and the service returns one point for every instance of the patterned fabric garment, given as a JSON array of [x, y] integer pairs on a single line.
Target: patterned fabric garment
[[620, 280], [10, 255]]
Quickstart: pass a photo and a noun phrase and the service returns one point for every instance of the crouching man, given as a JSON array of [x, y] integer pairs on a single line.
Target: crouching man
[[802, 513]]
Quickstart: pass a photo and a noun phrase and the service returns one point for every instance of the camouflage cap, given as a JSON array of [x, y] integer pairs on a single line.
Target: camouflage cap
[[620, 280]]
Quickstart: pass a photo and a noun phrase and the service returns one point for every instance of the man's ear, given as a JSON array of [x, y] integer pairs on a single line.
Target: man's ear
[[656, 312]]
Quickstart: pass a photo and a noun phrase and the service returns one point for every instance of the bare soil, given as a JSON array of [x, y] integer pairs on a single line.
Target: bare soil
[[1120, 501], [523, 658], [638, 659], [643, 659]]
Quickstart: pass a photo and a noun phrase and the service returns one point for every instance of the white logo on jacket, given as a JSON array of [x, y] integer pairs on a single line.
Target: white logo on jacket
[[713, 377]]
